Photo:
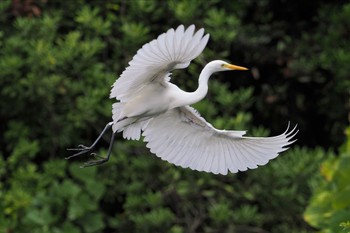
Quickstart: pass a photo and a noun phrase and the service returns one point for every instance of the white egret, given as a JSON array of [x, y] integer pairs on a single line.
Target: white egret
[[148, 104]]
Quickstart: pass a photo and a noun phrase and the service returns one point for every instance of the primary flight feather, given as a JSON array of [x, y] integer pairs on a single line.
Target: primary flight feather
[[149, 105]]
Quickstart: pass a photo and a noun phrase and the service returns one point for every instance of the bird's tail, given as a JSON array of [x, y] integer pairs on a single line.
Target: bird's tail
[[131, 127]]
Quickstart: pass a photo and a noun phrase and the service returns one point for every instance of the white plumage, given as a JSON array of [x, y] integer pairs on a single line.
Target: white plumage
[[182, 137], [149, 104]]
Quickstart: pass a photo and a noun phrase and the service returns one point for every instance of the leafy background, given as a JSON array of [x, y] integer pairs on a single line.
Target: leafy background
[[58, 60]]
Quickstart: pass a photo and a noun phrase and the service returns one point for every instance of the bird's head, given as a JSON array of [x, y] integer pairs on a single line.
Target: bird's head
[[219, 65]]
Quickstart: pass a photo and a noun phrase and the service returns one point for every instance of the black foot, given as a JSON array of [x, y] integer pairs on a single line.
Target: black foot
[[82, 150]]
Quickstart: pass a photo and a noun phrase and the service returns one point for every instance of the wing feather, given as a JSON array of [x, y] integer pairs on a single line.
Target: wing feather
[[202, 160], [214, 166], [177, 41], [173, 49], [208, 162], [223, 165], [194, 40], [182, 137], [220, 151], [229, 158], [169, 44], [235, 150]]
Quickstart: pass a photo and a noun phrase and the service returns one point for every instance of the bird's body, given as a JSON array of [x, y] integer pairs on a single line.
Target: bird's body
[[147, 101], [149, 104]]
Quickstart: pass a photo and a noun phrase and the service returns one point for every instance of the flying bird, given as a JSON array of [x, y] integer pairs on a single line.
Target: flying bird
[[149, 105]]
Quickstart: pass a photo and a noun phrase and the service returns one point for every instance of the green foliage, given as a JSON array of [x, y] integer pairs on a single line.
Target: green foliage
[[345, 225], [43, 203], [324, 65], [329, 209], [56, 67]]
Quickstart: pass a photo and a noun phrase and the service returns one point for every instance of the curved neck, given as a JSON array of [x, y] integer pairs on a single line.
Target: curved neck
[[202, 90]]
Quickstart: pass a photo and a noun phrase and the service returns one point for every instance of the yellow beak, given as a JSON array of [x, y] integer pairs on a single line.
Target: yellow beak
[[234, 67]]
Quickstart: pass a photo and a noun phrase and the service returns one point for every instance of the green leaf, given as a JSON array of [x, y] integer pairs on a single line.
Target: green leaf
[[95, 188], [68, 189], [69, 228], [342, 174], [41, 217], [341, 198], [154, 219], [92, 222], [319, 208], [220, 212], [80, 206], [154, 200]]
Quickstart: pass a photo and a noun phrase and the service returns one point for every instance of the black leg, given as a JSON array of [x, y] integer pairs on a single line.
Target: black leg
[[101, 160], [85, 149]]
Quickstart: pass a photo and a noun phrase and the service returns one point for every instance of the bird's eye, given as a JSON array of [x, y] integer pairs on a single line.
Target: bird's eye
[[222, 65]]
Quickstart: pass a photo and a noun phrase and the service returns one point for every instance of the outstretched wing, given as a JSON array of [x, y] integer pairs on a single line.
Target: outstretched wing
[[182, 137], [171, 50]]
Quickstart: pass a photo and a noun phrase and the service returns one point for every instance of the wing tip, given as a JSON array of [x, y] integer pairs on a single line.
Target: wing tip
[[290, 134]]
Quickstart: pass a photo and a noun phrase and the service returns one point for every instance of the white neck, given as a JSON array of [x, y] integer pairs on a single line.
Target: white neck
[[189, 98]]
